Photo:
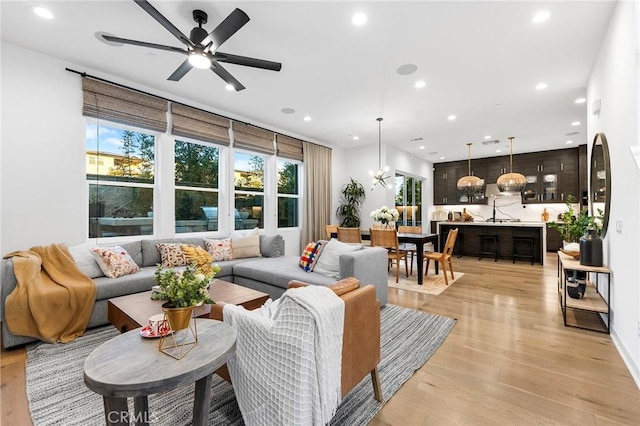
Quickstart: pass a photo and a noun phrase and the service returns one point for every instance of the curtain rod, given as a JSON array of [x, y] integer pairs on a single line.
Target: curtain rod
[[84, 74]]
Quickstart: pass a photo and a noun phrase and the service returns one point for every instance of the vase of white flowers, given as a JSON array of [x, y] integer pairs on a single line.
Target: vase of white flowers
[[385, 216]]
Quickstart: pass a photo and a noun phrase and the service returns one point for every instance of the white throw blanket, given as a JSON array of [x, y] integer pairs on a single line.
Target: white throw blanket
[[287, 368]]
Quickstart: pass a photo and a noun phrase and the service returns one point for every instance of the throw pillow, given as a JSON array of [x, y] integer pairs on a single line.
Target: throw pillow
[[270, 245], [85, 261], [199, 257], [172, 254], [114, 261], [329, 262], [246, 245], [220, 249], [310, 255]]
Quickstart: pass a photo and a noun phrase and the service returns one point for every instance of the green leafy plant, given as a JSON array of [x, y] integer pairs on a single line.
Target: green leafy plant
[[183, 288], [352, 196], [572, 227]]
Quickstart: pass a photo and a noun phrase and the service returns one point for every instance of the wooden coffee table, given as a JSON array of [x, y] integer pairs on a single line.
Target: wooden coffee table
[[133, 311]]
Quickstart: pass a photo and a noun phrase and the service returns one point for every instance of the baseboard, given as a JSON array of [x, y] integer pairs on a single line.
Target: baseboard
[[626, 357]]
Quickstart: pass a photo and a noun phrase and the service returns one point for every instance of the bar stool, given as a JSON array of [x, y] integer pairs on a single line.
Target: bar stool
[[528, 242], [459, 249], [484, 240]]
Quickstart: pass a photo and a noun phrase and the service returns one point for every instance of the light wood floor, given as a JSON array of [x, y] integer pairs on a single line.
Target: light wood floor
[[508, 361]]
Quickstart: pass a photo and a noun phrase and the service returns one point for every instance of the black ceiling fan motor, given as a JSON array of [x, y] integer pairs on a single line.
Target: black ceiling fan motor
[[198, 33]]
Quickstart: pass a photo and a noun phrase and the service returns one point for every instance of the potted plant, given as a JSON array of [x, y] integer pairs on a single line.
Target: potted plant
[[183, 290], [385, 216], [352, 196], [571, 226]]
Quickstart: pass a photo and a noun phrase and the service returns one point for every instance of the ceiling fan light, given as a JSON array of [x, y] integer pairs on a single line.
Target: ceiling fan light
[[199, 60]]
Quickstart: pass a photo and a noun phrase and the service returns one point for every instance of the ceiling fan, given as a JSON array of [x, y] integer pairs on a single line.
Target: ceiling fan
[[202, 47]]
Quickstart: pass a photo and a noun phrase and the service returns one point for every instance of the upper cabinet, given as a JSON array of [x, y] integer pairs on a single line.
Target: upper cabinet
[[551, 176]]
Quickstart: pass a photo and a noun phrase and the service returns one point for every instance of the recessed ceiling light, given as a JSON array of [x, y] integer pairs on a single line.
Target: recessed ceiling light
[[498, 105], [486, 138], [541, 16], [150, 55], [498, 150], [442, 158], [541, 86], [307, 118], [421, 147], [576, 123], [580, 100], [229, 87], [42, 12], [355, 138], [359, 19], [288, 110], [407, 69], [569, 142], [420, 84], [451, 117]]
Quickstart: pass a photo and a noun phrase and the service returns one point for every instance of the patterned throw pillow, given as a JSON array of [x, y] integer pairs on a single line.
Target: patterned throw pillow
[[220, 249], [310, 255], [199, 257], [171, 255], [114, 261]]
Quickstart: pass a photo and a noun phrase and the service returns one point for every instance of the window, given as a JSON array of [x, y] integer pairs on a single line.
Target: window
[[248, 181], [120, 182], [409, 199], [196, 191], [288, 193]]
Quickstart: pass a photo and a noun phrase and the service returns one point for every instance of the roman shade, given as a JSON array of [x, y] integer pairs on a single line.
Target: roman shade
[[289, 147], [121, 105], [198, 124], [253, 138]]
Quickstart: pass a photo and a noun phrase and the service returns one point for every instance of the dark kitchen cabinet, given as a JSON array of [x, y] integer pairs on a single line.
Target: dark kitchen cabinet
[[445, 178]]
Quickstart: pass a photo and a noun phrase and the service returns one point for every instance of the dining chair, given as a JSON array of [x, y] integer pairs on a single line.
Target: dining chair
[[445, 257], [349, 235], [409, 247], [331, 229], [388, 238]]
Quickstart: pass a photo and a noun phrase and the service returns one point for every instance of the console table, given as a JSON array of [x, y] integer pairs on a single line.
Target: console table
[[592, 301], [131, 366]]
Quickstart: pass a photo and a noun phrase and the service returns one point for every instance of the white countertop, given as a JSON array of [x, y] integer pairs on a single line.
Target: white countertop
[[529, 224]]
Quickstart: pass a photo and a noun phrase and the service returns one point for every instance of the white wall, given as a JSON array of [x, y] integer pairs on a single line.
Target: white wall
[[614, 80], [357, 162]]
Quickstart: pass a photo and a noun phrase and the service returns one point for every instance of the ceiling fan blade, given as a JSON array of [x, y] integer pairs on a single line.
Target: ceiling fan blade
[[181, 71], [228, 78], [144, 44], [164, 22], [246, 61], [226, 29]]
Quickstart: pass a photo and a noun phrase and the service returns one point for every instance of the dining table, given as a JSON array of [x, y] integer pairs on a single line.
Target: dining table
[[409, 238]]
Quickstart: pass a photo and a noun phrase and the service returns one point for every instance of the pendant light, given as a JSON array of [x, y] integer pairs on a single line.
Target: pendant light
[[511, 183], [379, 177], [470, 185]]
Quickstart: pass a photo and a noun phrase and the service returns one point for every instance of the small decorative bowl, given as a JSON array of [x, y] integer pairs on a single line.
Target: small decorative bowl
[[572, 253]]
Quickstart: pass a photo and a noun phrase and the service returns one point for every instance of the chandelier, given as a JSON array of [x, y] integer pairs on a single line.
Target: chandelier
[[380, 177], [511, 183], [470, 185]]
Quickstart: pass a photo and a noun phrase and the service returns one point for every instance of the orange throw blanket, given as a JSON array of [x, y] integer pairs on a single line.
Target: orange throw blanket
[[53, 300]]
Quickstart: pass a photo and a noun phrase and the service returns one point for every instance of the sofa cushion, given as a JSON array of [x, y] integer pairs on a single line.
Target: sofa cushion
[[172, 254], [85, 260], [246, 244], [271, 245], [134, 248], [310, 255], [108, 288], [151, 254], [114, 261], [278, 271], [329, 261], [220, 250]]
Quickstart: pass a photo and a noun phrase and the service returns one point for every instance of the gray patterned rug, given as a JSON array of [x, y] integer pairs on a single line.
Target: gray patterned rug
[[57, 394]]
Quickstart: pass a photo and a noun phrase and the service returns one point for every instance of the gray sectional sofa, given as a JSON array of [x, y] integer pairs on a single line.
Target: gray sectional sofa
[[270, 274]]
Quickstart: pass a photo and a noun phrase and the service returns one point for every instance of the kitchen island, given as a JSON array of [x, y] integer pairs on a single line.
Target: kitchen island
[[468, 243]]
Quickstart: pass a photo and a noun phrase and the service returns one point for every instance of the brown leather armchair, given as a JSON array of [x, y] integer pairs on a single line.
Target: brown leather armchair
[[361, 336]]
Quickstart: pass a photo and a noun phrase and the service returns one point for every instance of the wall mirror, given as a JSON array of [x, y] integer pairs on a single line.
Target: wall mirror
[[600, 180]]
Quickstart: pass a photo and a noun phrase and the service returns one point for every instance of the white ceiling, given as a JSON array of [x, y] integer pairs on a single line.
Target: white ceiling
[[480, 60]]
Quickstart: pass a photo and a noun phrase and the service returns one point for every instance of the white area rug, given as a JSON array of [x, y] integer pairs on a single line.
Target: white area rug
[[431, 284]]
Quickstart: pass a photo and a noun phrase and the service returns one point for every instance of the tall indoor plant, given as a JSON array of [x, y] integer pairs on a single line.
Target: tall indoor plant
[[352, 196]]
